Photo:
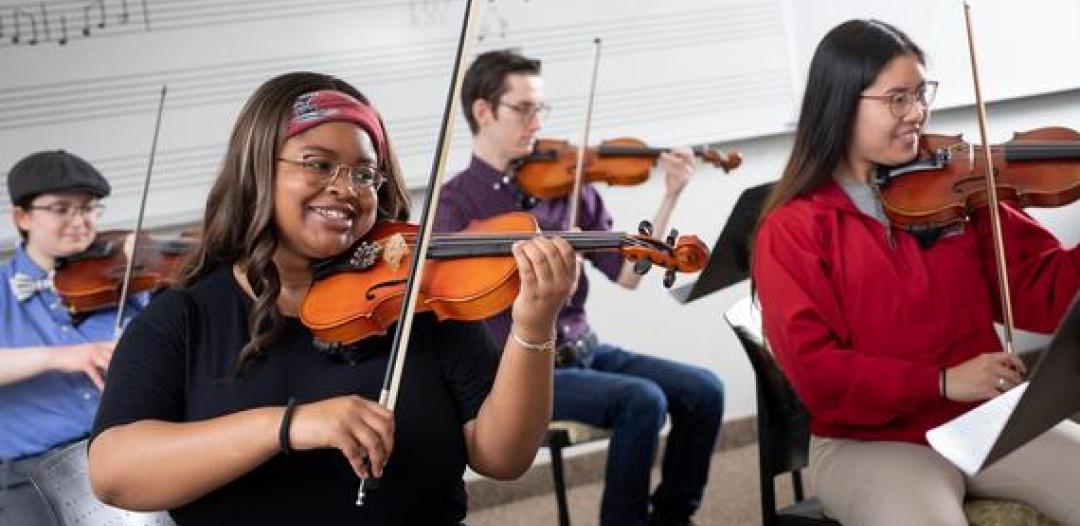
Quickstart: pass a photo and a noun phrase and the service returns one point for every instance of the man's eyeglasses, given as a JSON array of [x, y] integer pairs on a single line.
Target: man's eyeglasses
[[900, 103], [362, 176], [71, 211], [529, 111]]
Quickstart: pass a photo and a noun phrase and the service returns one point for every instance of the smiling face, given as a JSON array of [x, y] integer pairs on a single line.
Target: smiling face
[[879, 137], [53, 234], [315, 220]]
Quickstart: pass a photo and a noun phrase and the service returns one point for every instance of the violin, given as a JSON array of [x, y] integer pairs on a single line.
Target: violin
[[548, 172], [92, 279], [470, 275], [945, 183]]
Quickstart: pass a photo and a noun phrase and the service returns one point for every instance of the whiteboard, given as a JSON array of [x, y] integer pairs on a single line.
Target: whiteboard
[[1023, 48], [674, 72]]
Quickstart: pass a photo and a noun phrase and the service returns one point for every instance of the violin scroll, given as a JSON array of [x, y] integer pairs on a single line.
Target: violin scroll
[[685, 254], [726, 161]]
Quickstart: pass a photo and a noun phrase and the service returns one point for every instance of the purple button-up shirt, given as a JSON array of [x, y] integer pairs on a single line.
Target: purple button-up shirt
[[481, 191]]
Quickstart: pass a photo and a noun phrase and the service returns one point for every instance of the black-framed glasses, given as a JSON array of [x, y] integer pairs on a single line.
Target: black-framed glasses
[[900, 102], [71, 211], [529, 111], [360, 176]]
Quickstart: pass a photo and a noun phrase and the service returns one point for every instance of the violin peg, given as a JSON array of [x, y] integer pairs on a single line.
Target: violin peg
[[669, 278], [672, 236], [732, 161], [645, 228], [642, 266]]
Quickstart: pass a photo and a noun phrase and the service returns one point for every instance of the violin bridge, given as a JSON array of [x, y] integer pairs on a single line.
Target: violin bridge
[[394, 250]]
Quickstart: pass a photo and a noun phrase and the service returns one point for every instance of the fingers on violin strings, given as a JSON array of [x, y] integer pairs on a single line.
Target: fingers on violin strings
[[525, 270], [541, 252], [567, 256]]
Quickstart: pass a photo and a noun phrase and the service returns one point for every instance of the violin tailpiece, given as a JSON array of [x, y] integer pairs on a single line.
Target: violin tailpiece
[[365, 255]]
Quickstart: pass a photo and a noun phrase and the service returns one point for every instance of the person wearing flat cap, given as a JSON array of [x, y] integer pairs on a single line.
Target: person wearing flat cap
[[51, 365]]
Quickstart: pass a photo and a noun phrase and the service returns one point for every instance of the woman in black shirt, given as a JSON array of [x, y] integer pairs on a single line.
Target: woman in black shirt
[[193, 418]]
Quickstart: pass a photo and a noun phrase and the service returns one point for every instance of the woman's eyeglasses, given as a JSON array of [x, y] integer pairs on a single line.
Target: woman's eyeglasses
[[360, 176], [900, 103]]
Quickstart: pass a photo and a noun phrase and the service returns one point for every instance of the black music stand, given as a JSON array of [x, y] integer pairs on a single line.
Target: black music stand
[[729, 262], [975, 440]]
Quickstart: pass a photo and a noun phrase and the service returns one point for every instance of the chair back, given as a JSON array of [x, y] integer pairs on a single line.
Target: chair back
[[64, 480], [783, 421]]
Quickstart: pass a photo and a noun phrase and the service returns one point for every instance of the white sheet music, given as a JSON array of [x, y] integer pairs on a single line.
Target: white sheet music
[[967, 439]]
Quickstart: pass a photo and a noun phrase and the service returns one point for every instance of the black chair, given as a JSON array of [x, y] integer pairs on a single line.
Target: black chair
[[783, 426], [64, 480], [562, 434]]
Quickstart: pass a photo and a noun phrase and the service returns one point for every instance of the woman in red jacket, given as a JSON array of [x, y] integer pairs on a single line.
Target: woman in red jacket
[[885, 335]]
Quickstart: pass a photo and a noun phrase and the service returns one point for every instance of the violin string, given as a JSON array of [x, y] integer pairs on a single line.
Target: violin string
[[448, 245]]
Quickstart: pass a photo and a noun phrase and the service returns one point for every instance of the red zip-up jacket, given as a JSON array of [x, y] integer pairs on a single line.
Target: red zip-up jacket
[[861, 324]]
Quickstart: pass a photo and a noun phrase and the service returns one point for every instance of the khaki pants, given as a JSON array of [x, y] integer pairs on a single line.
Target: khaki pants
[[863, 483]]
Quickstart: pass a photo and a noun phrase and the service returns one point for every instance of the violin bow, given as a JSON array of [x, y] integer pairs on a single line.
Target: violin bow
[[126, 283], [575, 193], [995, 215], [395, 364]]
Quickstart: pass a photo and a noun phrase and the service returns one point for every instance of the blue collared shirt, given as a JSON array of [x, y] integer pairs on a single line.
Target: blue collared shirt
[[44, 411]]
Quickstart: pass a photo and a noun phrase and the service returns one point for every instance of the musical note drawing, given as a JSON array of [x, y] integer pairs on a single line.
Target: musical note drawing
[[428, 12], [63, 31], [492, 16], [45, 21], [17, 37], [100, 4]]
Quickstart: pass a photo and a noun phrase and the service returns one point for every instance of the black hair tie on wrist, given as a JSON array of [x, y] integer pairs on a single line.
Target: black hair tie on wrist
[[286, 421]]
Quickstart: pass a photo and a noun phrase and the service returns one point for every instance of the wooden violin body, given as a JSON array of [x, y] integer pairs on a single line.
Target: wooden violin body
[[548, 172], [1036, 168], [92, 280], [469, 276]]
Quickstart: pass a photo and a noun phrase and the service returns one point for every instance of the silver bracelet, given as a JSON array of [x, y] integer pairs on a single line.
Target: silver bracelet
[[548, 346]]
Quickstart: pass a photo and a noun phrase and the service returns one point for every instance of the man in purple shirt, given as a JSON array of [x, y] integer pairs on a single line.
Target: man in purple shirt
[[51, 365], [595, 383]]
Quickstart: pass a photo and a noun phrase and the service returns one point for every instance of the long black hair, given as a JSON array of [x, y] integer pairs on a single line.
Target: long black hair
[[846, 62]]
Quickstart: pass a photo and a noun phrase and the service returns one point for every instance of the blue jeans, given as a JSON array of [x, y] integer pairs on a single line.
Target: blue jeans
[[630, 394]]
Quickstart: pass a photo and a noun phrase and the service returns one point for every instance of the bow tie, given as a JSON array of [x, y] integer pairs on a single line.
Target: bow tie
[[24, 287]]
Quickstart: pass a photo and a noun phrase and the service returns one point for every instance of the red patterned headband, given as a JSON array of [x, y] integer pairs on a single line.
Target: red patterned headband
[[317, 107]]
